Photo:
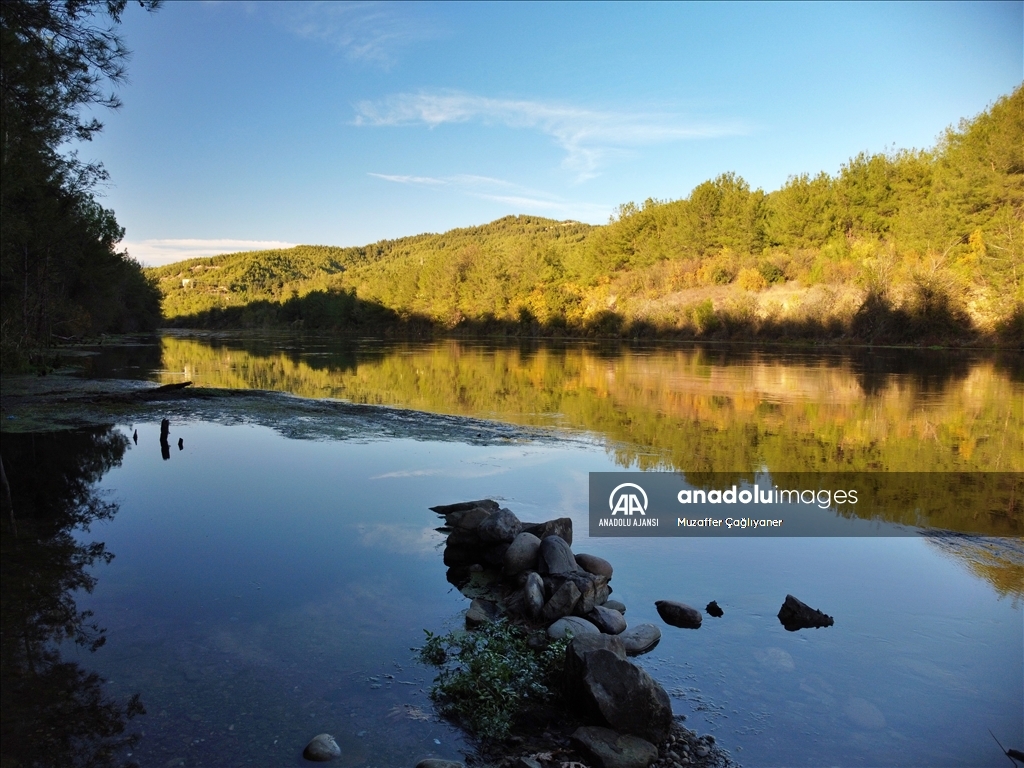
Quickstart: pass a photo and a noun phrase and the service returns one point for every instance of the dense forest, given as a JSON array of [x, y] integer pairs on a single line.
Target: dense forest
[[61, 275], [903, 246]]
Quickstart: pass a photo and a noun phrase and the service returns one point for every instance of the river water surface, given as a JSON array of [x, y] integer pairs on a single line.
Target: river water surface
[[268, 586]]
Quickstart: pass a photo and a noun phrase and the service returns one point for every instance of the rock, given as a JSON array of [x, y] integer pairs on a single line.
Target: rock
[[494, 554], [626, 696], [433, 762], [679, 614], [602, 594], [501, 526], [713, 610], [533, 594], [607, 620], [615, 605], [555, 558], [460, 537], [587, 584], [640, 639], [521, 554], [481, 612], [578, 648], [561, 527], [459, 555], [322, 748], [594, 564], [465, 506], [795, 615], [562, 602], [527, 762], [609, 749], [470, 520], [572, 625]]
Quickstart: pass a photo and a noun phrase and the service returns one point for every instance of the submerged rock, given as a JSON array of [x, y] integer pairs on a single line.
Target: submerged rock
[[433, 762], [714, 610], [640, 639], [322, 749], [795, 615], [572, 625], [679, 614], [609, 749]]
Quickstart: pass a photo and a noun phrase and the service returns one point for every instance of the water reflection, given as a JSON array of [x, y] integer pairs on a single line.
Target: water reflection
[[54, 710], [698, 409]]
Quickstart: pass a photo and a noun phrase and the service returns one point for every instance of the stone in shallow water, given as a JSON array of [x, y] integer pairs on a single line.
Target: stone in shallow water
[[571, 625], [555, 557], [679, 614], [714, 609], [609, 749], [795, 614], [640, 639], [322, 748], [626, 696], [561, 527]]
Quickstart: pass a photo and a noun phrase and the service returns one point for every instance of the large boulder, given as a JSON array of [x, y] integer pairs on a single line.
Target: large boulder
[[795, 615], [494, 554], [561, 602], [608, 621], [555, 558], [626, 697], [533, 594], [460, 555], [562, 527], [521, 554], [322, 748], [679, 614], [571, 626], [576, 659], [460, 537], [640, 639], [594, 564], [501, 526], [608, 749]]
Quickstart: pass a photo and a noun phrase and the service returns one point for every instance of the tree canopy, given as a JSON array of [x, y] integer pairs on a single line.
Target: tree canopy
[[60, 272]]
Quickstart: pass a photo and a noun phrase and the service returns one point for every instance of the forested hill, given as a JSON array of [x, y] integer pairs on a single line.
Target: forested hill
[[910, 245]]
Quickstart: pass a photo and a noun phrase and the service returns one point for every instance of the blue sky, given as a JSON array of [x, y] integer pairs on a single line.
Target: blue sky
[[252, 124]]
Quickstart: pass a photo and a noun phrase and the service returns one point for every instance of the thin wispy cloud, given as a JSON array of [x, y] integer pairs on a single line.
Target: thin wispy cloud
[[371, 32], [523, 199], [155, 253], [588, 137]]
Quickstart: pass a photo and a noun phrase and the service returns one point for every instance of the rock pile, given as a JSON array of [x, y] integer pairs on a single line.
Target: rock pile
[[529, 573]]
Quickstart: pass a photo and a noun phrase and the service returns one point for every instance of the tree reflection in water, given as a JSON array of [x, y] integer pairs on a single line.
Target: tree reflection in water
[[54, 711]]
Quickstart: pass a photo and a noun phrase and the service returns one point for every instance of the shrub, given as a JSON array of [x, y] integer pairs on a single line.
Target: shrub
[[488, 676], [751, 280]]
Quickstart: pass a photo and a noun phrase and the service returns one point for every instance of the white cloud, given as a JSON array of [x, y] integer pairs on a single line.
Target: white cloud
[[371, 32], [155, 253], [589, 137], [522, 199]]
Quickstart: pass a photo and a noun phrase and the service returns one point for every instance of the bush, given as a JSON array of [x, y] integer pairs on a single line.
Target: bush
[[751, 280], [490, 675]]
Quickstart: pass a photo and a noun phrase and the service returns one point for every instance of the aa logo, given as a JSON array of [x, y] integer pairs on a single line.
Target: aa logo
[[625, 500]]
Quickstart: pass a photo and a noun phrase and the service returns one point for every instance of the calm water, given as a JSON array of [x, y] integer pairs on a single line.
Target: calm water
[[266, 589]]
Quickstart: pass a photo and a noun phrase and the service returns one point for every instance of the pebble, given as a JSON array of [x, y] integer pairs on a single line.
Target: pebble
[[322, 748]]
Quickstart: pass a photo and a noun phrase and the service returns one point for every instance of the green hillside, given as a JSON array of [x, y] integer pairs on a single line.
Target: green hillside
[[904, 246]]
